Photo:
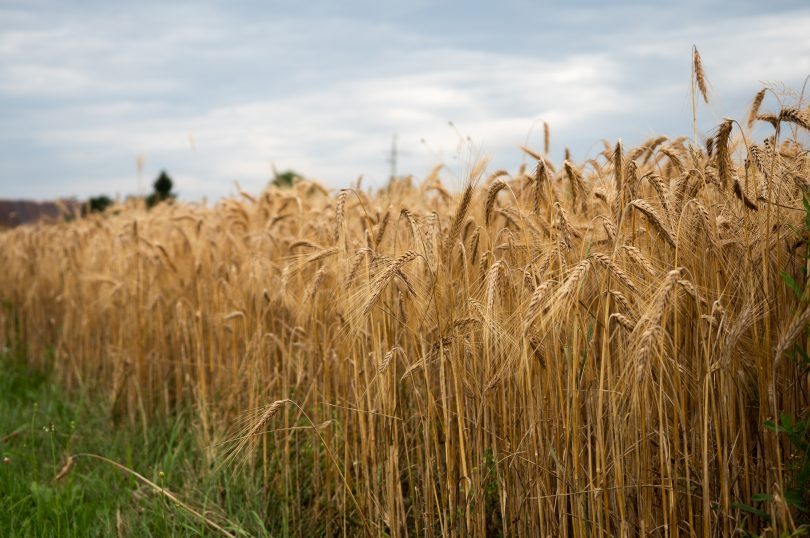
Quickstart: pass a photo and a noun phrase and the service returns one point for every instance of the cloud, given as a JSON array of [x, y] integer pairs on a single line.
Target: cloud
[[340, 131]]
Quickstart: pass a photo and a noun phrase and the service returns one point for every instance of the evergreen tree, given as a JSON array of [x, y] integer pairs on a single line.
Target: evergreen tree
[[162, 190]]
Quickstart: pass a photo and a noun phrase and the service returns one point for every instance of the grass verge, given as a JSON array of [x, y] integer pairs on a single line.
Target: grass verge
[[46, 492]]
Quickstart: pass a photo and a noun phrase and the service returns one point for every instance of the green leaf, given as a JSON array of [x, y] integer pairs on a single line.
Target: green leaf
[[751, 510], [802, 358], [792, 283], [762, 497], [794, 499]]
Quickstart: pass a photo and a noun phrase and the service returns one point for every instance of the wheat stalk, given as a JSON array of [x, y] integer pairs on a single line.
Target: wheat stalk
[[721, 146], [652, 216], [385, 277], [492, 194], [700, 75], [755, 104], [636, 255], [615, 270]]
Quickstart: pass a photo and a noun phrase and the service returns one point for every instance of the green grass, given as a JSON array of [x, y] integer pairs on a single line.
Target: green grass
[[41, 425]]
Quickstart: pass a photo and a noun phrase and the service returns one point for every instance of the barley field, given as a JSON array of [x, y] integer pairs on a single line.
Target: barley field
[[615, 347]]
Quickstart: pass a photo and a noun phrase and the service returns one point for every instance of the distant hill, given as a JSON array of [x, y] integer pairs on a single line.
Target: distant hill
[[16, 212]]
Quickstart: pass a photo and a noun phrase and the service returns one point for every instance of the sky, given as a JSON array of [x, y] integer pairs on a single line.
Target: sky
[[219, 92]]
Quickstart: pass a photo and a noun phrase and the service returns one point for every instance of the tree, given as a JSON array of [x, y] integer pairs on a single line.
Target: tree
[[162, 190], [96, 204], [285, 179]]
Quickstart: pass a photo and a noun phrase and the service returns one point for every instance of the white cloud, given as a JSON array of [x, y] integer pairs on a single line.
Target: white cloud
[[340, 131]]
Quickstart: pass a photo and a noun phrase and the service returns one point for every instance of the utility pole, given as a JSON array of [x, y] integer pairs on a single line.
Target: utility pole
[[392, 159], [140, 160]]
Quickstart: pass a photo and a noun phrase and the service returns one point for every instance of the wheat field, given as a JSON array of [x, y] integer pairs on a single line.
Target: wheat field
[[562, 349]]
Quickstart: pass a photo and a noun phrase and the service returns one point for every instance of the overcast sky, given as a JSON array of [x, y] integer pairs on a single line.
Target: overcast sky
[[216, 92]]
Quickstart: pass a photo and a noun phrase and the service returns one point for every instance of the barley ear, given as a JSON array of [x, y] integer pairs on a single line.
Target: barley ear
[[700, 75]]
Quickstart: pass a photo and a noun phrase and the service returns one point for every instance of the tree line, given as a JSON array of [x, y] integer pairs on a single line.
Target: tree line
[[162, 191]]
